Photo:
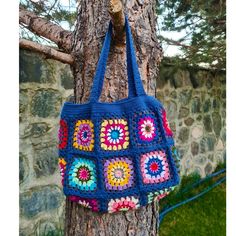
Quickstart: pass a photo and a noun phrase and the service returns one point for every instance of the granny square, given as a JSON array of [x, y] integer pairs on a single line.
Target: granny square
[[83, 138], [123, 204], [118, 173], [154, 167], [114, 134], [82, 174], [86, 202]]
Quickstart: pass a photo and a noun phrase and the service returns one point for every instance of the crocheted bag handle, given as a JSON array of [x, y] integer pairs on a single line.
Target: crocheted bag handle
[[135, 85]]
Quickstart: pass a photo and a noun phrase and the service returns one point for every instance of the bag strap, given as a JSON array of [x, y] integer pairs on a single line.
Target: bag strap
[[135, 85]]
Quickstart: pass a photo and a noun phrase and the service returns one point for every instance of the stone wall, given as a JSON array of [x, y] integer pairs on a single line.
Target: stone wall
[[44, 86], [195, 101], [195, 104]]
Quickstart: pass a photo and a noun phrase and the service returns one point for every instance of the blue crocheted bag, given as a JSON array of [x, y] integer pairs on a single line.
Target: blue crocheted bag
[[117, 156]]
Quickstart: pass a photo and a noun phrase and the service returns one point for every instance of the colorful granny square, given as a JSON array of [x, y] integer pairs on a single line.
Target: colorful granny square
[[62, 166], [154, 167], [147, 128], [123, 204], [114, 134], [82, 174], [166, 126], [85, 202], [118, 173], [84, 135], [157, 196], [63, 134]]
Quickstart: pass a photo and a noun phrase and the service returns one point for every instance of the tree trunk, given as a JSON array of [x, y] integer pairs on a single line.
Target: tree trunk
[[92, 23]]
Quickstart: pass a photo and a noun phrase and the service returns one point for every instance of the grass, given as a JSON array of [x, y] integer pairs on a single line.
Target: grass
[[205, 216]]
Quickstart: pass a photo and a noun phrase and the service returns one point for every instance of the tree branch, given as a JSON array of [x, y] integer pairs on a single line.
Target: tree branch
[[47, 51], [176, 43], [47, 29], [116, 11]]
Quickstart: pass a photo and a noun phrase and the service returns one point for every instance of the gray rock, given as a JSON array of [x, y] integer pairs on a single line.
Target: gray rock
[[45, 162], [183, 112], [35, 130], [200, 160], [208, 169], [183, 134], [47, 228], [203, 145], [197, 132], [194, 148], [40, 199], [160, 96], [199, 118], [178, 79], [173, 94], [34, 68], [207, 144], [46, 103], [211, 157], [196, 105], [216, 104], [30, 67], [207, 123], [185, 97], [166, 92], [23, 101], [211, 141], [173, 126], [223, 134], [217, 123], [189, 121], [25, 231], [67, 80], [207, 106], [182, 150], [171, 110], [23, 167], [39, 129]]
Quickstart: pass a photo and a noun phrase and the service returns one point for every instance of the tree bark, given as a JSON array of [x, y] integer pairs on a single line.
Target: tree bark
[[47, 29], [92, 23], [48, 52]]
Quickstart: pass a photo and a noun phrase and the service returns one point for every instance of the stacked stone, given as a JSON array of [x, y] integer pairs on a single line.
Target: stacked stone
[[196, 109], [44, 85]]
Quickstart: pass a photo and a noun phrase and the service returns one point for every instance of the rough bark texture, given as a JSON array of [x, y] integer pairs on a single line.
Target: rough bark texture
[[82, 222], [92, 23], [48, 52], [45, 28]]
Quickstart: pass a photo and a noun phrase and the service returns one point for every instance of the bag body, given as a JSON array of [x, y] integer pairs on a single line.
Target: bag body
[[117, 156]]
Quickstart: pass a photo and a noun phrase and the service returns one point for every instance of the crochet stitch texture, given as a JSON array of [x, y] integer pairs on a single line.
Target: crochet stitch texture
[[117, 156]]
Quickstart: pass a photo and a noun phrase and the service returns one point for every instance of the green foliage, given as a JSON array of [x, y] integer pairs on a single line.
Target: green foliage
[[204, 216], [204, 23]]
